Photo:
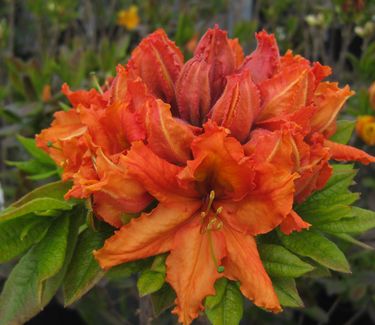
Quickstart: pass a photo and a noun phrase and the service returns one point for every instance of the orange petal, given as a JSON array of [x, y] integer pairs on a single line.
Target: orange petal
[[219, 164], [266, 206], [264, 61], [237, 108], [193, 91], [191, 269], [215, 48], [244, 264], [168, 137], [293, 222], [150, 234], [237, 51], [341, 152], [285, 92], [91, 98], [328, 99], [160, 180], [158, 61]]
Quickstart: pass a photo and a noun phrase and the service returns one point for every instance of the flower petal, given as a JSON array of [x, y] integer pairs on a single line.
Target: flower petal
[[293, 222], [157, 175], [191, 269], [328, 99], [244, 264], [150, 234], [158, 61], [238, 106], [341, 152], [266, 206], [219, 164], [167, 136], [264, 61], [91, 98]]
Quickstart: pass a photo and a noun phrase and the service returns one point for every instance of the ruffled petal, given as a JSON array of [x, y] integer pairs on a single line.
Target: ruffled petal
[[237, 51], [238, 106], [341, 152], [328, 99], [89, 99], [266, 206], [293, 222], [159, 178], [244, 264], [191, 268], [168, 137], [264, 61], [150, 234], [219, 164], [158, 62]]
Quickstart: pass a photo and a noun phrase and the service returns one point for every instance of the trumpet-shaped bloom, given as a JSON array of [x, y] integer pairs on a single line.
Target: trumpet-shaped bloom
[[207, 217]]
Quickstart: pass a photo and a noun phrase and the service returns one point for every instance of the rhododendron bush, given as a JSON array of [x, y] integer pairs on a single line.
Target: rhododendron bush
[[221, 176]]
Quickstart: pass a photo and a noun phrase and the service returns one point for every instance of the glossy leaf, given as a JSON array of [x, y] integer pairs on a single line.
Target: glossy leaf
[[18, 235], [287, 293], [314, 245], [226, 308], [279, 262], [344, 131], [83, 271], [149, 282]]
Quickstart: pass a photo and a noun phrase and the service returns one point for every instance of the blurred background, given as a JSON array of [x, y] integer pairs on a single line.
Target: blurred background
[[44, 43]]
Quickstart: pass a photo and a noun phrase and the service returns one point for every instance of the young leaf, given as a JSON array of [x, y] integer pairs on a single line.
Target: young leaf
[[343, 132], [287, 293], [279, 262], [362, 221], [314, 245], [34, 206], [18, 235], [22, 294], [229, 310], [55, 190], [149, 282], [84, 271]]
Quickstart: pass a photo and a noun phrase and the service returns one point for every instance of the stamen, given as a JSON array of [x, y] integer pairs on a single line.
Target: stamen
[[210, 201], [219, 268]]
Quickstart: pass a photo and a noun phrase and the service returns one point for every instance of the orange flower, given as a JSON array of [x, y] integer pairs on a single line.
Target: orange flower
[[365, 129], [207, 216]]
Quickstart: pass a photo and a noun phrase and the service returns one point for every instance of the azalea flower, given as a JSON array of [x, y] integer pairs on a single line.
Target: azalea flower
[[218, 149], [207, 217]]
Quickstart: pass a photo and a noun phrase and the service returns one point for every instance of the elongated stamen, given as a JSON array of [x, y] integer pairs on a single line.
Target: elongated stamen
[[219, 268]]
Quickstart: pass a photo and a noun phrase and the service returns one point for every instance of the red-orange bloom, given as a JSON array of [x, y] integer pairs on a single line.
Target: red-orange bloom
[[207, 216]]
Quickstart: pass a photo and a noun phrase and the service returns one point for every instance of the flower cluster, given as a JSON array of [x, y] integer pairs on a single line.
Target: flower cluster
[[198, 158]]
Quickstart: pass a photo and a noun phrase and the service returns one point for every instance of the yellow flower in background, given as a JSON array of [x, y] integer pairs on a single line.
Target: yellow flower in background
[[365, 129], [371, 93], [128, 18]]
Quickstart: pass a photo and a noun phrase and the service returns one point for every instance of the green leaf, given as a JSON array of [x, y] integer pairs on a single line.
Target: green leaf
[[34, 206], [287, 293], [279, 262], [122, 271], [229, 309], [22, 295], [18, 235], [34, 151], [84, 271], [363, 220], [163, 299], [55, 190], [351, 240], [314, 245], [343, 132], [320, 214], [149, 282]]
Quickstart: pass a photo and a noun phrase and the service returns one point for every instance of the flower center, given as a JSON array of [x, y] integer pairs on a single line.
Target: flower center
[[210, 218]]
